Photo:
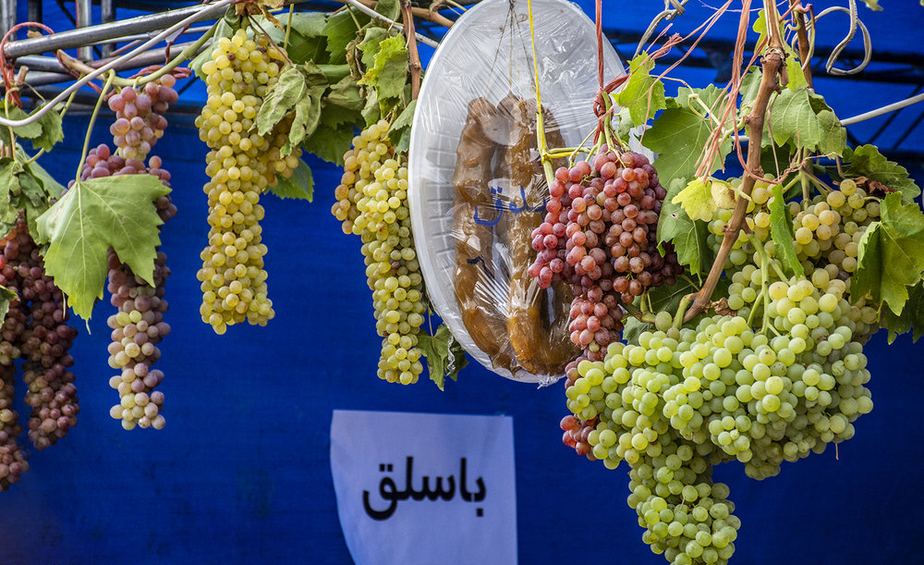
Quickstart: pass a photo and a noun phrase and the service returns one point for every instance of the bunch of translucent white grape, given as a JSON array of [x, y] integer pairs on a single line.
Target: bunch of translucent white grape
[[778, 378], [241, 164], [372, 203]]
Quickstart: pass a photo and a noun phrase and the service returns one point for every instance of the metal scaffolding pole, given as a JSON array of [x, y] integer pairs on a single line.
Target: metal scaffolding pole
[[7, 16], [84, 20], [108, 15], [80, 37]]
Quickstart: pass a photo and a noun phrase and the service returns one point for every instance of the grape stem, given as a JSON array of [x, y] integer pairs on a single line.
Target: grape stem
[[803, 41], [765, 264], [407, 17], [636, 312], [86, 140], [769, 83]]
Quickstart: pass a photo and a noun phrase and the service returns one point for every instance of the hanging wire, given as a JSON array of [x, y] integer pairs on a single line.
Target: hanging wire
[[883, 110], [373, 14], [855, 23], [668, 14]]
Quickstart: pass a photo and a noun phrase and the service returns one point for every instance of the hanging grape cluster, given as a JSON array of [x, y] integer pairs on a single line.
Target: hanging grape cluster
[[599, 235], [240, 165], [372, 203]]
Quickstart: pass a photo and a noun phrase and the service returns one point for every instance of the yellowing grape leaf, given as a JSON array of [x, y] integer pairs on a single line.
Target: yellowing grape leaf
[[642, 94], [782, 234], [891, 255], [696, 200], [388, 73], [688, 236], [94, 215]]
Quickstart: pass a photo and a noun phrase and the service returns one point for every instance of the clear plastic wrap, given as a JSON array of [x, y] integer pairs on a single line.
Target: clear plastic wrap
[[476, 186]]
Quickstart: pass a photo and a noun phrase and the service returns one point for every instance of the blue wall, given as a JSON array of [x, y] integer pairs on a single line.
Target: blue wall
[[241, 473]]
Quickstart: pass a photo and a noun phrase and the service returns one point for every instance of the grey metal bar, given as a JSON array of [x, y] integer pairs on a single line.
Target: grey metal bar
[[7, 16], [34, 13], [52, 65], [108, 15], [84, 20], [80, 37]]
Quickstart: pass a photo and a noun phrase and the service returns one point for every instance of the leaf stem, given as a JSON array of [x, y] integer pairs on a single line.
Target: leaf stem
[[635, 312], [285, 42], [772, 64], [681, 309], [86, 140]]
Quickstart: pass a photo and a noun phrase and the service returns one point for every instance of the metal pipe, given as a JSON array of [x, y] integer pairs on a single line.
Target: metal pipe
[[84, 20], [34, 13], [108, 15], [102, 32], [38, 63], [7, 16]]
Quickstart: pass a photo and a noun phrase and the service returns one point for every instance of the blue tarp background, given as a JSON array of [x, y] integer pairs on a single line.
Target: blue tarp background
[[241, 473]]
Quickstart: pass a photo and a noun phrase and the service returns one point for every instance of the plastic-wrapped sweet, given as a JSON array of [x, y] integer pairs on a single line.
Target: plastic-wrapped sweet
[[476, 185]]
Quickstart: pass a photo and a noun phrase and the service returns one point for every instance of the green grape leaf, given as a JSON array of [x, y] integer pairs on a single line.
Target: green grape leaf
[[9, 189], [794, 70], [750, 85], [912, 316], [388, 73], [308, 108], [642, 94], [445, 356], [306, 35], [688, 236], [346, 94], [782, 234], [334, 134], [341, 30], [891, 255], [867, 161], [709, 96], [391, 9], [94, 215], [803, 118], [300, 186], [874, 4], [52, 132], [675, 129], [6, 296], [624, 124], [400, 131], [663, 299], [696, 200], [369, 46]]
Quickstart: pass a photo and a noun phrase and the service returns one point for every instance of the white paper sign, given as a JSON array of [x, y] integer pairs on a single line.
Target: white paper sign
[[425, 489]]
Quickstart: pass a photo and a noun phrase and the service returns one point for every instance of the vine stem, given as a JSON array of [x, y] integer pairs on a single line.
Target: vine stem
[[86, 140], [769, 83], [802, 40], [407, 16]]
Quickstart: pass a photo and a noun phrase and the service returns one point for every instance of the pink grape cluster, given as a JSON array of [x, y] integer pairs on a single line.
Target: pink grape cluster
[[139, 116], [599, 235], [138, 327], [35, 330]]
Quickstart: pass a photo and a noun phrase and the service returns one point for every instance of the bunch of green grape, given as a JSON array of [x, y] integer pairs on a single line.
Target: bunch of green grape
[[240, 165], [372, 203]]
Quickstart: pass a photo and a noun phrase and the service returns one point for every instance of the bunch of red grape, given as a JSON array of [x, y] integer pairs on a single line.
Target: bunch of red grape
[[139, 116], [599, 235]]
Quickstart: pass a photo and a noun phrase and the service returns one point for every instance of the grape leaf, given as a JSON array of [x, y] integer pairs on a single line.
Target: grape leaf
[[912, 316], [369, 46], [288, 90], [688, 236], [891, 254], [334, 134], [673, 134], [345, 94], [400, 131], [308, 108], [13, 112], [9, 190], [388, 74], [782, 234], [306, 35], [873, 5], [663, 299], [794, 70], [94, 215], [803, 118], [52, 132], [867, 161], [750, 85], [6, 296], [391, 9], [642, 94], [341, 31], [300, 186], [445, 357], [696, 200]]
